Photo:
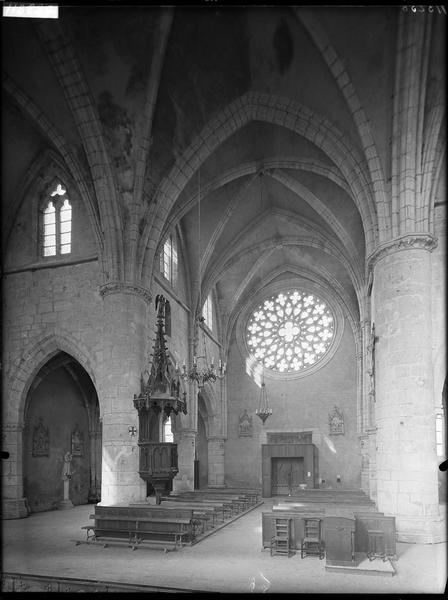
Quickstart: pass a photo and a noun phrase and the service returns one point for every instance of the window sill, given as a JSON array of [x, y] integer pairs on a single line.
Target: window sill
[[51, 262]]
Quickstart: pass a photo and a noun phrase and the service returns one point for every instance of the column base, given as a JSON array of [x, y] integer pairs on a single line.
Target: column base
[[183, 484], [214, 486], [65, 504], [421, 530], [14, 509]]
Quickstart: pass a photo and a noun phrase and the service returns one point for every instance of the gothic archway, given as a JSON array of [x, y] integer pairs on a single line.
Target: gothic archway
[[61, 415]]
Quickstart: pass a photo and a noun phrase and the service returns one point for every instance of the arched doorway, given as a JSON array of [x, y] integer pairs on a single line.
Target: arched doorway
[[61, 415]]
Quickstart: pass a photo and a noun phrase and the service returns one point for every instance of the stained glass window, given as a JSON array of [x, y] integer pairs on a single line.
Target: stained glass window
[[290, 331]]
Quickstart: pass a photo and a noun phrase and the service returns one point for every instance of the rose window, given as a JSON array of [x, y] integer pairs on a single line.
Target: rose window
[[290, 331]]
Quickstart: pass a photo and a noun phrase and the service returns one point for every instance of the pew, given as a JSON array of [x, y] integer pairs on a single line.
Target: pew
[[375, 535], [205, 514], [225, 507], [237, 503], [134, 526], [345, 535], [177, 510]]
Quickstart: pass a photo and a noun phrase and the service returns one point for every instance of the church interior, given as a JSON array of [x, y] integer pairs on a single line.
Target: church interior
[[223, 298]]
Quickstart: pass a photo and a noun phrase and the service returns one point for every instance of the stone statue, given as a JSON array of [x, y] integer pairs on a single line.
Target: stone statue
[[67, 468], [66, 477]]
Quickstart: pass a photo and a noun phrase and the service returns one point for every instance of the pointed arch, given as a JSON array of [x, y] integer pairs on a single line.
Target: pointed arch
[[36, 357], [65, 162], [276, 110]]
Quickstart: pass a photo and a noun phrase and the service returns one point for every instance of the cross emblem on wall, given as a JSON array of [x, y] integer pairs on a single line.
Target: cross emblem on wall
[[132, 430]]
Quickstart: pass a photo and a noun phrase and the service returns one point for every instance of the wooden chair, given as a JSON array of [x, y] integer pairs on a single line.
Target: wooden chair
[[281, 541], [312, 543]]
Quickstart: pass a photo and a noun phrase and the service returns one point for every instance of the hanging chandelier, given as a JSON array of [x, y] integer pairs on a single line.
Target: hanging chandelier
[[263, 411], [201, 371]]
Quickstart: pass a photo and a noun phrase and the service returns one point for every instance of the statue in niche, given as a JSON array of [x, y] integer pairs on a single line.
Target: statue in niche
[[245, 425], [77, 442], [41, 439], [336, 420], [67, 468]]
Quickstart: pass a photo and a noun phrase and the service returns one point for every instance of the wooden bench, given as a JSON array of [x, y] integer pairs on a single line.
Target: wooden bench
[[101, 536], [203, 514], [253, 495], [155, 530], [234, 505], [224, 507], [167, 511], [214, 509], [238, 501]]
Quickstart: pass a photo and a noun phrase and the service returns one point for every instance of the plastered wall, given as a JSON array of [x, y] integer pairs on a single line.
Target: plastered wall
[[58, 403], [298, 405]]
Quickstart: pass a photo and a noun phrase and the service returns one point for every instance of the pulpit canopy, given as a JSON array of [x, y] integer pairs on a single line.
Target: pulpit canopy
[[161, 391]]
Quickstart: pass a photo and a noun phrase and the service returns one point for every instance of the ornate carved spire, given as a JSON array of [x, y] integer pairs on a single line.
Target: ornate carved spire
[[162, 389]]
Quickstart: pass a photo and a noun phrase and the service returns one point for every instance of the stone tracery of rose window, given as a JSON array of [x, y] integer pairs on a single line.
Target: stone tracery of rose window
[[290, 331]]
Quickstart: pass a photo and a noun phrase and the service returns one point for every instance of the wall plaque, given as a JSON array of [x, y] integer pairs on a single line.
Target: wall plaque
[[77, 443], [292, 437], [41, 439], [245, 425], [336, 420]]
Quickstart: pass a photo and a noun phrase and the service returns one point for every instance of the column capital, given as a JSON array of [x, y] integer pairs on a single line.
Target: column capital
[[216, 438], [417, 241], [123, 287], [13, 427], [186, 432]]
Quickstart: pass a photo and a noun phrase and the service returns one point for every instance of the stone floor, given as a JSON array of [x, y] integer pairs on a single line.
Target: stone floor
[[232, 560]]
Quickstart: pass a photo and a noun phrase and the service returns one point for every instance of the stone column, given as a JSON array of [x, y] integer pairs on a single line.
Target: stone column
[[406, 460], [125, 355], [371, 441], [365, 462], [216, 469], [14, 505], [186, 449], [95, 485]]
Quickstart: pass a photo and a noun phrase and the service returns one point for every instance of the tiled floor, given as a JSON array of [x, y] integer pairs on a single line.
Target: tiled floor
[[232, 560]]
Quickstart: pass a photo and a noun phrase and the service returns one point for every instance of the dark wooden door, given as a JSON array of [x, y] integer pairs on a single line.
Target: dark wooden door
[[287, 474]]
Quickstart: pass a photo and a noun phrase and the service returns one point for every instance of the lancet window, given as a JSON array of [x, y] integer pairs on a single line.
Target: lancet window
[[169, 260], [207, 312], [57, 223]]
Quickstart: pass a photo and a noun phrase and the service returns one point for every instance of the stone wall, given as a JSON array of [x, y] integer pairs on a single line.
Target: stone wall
[[298, 405], [58, 402], [44, 311]]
